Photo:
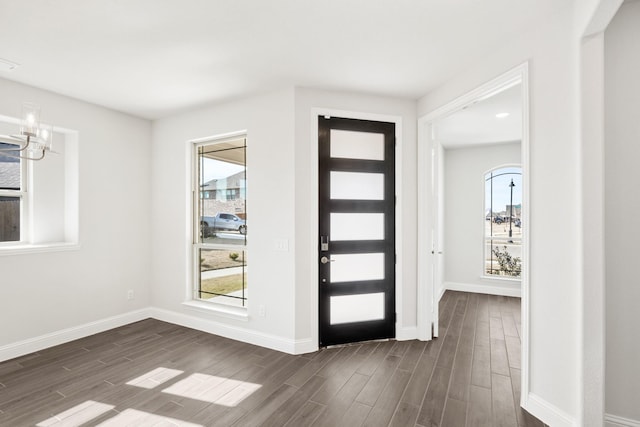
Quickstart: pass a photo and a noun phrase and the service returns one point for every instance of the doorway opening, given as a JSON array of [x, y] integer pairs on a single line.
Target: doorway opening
[[465, 244]]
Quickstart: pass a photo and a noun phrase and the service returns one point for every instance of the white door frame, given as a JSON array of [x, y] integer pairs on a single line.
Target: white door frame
[[427, 220]]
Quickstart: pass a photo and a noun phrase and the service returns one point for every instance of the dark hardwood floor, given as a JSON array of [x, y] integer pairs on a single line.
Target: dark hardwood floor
[[152, 373]]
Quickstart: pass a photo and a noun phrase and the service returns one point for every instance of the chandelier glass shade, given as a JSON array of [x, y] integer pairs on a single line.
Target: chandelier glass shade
[[34, 138]]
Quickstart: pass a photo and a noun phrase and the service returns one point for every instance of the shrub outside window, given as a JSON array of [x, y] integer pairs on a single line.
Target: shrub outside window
[[503, 223], [220, 221]]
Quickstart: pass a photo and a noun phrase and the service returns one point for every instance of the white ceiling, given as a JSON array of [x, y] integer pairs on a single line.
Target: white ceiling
[[478, 124], [153, 58]]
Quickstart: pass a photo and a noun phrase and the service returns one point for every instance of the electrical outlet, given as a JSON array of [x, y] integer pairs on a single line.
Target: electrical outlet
[[130, 294], [262, 311]]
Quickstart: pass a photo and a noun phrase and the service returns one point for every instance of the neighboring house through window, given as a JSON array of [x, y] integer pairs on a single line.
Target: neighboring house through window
[[12, 196], [220, 231], [503, 222]]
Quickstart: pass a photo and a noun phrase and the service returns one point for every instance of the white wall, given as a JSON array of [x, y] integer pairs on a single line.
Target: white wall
[[555, 261], [47, 292], [268, 120], [306, 201], [135, 211], [465, 169], [280, 200], [622, 202]]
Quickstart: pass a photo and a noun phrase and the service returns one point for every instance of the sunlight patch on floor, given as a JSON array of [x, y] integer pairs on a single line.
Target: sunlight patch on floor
[[212, 389], [77, 415], [133, 417], [154, 378]]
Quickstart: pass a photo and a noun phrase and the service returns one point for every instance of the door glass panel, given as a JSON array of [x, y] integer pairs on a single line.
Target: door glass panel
[[357, 145], [356, 308], [358, 226], [357, 267], [357, 186]]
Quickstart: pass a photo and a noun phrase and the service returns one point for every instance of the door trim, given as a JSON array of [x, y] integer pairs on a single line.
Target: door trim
[[425, 292], [313, 191]]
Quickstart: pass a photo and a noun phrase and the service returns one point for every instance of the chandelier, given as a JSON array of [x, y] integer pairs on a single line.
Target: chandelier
[[34, 139]]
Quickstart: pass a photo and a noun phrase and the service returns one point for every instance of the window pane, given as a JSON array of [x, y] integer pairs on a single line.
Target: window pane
[[223, 276], [503, 222], [357, 145], [9, 219], [222, 198], [504, 257], [356, 308], [9, 169]]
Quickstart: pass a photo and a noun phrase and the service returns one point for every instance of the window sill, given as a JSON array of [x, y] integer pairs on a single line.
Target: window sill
[[29, 248], [236, 313], [501, 279]]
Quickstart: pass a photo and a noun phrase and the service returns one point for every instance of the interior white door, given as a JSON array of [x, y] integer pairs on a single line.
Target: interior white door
[[438, 232]]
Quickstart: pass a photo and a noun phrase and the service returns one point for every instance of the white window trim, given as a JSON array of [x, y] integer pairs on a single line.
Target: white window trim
[[502, 278], [191, 302], [222, 310]]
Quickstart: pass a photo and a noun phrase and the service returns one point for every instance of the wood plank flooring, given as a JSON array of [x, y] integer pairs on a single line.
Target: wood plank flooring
[[155, 373]]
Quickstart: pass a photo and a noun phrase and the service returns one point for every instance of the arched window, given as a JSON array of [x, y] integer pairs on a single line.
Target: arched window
[[503, 222]]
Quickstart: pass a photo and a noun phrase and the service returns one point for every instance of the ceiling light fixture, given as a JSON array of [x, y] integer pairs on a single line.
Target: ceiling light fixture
[[502, 115], [34, 139]]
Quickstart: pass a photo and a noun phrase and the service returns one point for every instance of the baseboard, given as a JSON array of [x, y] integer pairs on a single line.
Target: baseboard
[[407, 333], [52, 339], [233, 332], [441, 293], [548, 413], [616, 421], [516, 291], [305, 346]]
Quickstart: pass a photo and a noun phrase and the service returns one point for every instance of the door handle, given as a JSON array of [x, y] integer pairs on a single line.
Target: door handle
[[325, 260]]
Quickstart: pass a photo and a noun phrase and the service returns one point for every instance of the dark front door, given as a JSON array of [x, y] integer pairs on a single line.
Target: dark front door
[[356, 254]]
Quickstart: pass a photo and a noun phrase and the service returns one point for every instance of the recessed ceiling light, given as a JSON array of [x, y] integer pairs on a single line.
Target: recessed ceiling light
[[501, 115], [6, 65]]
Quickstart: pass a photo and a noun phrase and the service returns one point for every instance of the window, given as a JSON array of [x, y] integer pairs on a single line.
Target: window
[[503, 223], [12, 196], [220, 221]]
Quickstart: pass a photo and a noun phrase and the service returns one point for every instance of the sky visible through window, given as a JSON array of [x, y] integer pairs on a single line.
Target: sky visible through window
[[501, 191], [216, 169]]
